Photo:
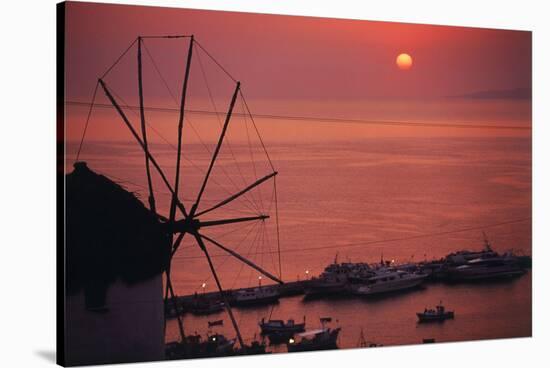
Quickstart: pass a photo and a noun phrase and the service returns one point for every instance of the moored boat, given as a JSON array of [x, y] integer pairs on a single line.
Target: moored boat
[[276, 325], [388, 281], [219, 345], [326, 285], [256, 296], [203, 306], [321, 339], [280, 337], [255, 347], [195, 347], [486, 269], [334, 279], [438, 314], [173, 311]]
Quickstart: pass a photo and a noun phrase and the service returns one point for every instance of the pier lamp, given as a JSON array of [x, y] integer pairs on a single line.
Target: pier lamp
[[203, 287], [307, 274], [260, 280]]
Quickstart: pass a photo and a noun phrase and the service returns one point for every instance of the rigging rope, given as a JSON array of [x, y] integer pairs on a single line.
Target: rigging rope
[[277, 227], [257, 132], [92, 104], [87, 121], [381, 241], [220, 122], [117, 60], [328, 119], [241, 242], [252, 155], [216, 61]]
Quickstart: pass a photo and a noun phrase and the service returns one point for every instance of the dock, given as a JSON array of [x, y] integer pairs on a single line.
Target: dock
[[436, 270]]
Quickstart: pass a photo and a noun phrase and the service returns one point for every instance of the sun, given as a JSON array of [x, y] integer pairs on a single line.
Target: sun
[[404, 61]]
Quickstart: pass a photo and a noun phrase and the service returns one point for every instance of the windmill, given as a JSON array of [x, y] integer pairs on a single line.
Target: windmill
[[187, 221]]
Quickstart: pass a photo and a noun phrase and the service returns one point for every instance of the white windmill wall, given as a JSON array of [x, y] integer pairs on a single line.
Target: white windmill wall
[[131, 330]]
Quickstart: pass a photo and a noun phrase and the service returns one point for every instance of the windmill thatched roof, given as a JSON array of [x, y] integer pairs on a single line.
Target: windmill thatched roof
[[110, 235]]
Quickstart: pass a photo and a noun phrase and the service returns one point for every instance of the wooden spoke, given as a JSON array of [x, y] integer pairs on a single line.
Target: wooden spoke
[[237, 195], [243, 259], [180, 129], [232, 220], [140, 142], [222, 292], [176, 244], [218, 147]]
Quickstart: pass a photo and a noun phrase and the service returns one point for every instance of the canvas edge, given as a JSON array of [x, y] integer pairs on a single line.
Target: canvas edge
[[60, 184]]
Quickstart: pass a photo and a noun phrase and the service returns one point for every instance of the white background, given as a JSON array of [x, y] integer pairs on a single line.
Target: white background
[[27, 181]]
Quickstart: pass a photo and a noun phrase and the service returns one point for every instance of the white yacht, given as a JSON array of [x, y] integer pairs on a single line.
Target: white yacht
[[487, 268], [388, 281], [254, 296], [336, 277]]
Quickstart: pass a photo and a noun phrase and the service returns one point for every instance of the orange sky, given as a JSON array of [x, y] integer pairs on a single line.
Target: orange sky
[[299, 65]]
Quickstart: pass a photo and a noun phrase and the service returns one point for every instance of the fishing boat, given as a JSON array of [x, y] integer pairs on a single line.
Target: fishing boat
[[277, 325], [388, 281], [333, 280], [324, 338], [280, 337], [255, 347], [190, 347], [320, 339], [256, 296], [204, 306], [219, 345], [438, 314], [326, 284], [173, 309], [195, 347]]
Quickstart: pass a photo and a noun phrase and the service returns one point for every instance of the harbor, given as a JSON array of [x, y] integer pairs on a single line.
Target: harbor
[[391, 320], [347, 279], [439, 279]]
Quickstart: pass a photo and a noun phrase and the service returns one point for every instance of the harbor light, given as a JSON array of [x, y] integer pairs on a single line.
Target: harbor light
[[291, 341]]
